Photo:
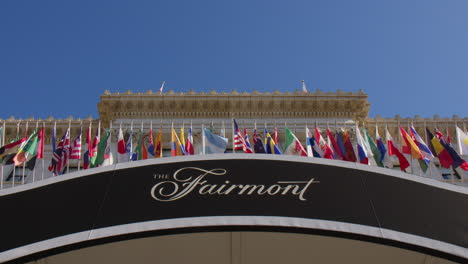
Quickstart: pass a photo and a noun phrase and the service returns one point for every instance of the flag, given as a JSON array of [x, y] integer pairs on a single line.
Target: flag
[[28, 149], [176, 146], [384, 156], [60, 155], [86, 155], [182, 141], [246, 139], [213, 143], [132, 156], [332, 142], [361, 148], [372, 148], [151, 142], [162, 87], [12, 147], [239, 140], [158, 150], [444, 157], [94, 147], [425, 151], [144, 150], [393, 150], [40, 144], [102, 150], [258, 142], [271, 147], [341, 145], [462, 139], [304, 89], [313, 150], [458, 162], [108, 157], [326, 149], [409, 147], [122, 155], [292, 145], [75, 149], [189, 145], [139, 147], [351, 156]]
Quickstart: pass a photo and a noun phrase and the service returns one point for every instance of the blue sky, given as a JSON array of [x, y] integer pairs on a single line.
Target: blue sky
[[410, 56]]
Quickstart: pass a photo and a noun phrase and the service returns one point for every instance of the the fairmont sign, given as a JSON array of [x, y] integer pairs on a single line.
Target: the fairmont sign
[[234, 192], [180, 184]]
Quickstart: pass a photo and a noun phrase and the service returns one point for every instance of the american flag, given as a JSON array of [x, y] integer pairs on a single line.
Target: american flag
[[239, 141], [75, 150], [60, 156]]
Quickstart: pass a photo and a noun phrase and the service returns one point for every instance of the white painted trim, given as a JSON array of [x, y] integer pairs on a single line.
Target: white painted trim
[[165, 160], [232, 221]]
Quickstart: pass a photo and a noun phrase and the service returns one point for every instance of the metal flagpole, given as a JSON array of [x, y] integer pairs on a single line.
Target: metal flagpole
[[203, 139], [233, 135], [81, 147], [458, 139], [34, 168], [43, 138], [427, 141], [160, 142], [151, 135], [191, 136], [3, 143], [14, 166], [130, 151], [24, 163], [69, 147]]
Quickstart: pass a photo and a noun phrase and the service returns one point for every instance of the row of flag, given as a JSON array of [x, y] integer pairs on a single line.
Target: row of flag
[[327, 144]]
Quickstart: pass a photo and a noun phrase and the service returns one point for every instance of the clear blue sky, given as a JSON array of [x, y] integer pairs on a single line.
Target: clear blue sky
[[57, 57]]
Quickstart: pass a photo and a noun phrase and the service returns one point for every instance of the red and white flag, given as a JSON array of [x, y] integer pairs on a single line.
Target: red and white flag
[[162, 87], [122, 155], [75, 149], [239, 141], [327, 151]]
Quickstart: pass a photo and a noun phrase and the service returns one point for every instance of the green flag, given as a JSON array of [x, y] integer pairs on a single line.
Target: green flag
[[139, 146], [28, 149], [101, 151], [373, 146]]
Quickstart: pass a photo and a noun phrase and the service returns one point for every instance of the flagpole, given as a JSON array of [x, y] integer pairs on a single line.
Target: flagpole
[[232, 126], [14, 166], [458, 142], [160, 141], [54, 134], [24, 163], [69, 149], [131, 142], [203, 139], [150, 134], [34, 169], [3, 143], [43, 138], [427, 142], [79, 156]]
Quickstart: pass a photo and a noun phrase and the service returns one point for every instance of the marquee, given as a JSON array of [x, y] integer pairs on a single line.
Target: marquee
[[234, 192]]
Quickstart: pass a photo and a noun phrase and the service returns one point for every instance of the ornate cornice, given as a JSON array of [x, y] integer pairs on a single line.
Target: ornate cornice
[[194, 105]]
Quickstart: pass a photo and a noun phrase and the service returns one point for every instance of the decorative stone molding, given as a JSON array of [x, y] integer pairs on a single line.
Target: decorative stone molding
[[253, 105]]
